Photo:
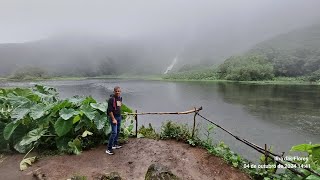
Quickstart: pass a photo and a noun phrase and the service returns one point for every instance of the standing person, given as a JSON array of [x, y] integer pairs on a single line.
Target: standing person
[[114, 117]]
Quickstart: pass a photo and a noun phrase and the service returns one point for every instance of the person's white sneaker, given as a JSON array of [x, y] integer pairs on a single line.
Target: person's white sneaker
[[116, 147], [109, 152]]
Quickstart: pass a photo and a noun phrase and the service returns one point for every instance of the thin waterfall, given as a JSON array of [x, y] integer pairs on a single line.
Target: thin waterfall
[[169, 68]]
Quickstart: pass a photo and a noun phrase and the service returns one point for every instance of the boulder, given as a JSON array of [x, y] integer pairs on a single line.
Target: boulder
[[159, 172], [111, 176]]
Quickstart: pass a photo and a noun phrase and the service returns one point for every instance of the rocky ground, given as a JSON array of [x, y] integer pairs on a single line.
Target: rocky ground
[[131, 162]]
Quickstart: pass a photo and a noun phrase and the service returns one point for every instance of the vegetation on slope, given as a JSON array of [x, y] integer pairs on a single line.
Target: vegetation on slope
[[293, 55]]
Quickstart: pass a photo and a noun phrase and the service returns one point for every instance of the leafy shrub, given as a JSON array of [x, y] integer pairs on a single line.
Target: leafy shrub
[[148, 132], [175, 131], [31, 118]]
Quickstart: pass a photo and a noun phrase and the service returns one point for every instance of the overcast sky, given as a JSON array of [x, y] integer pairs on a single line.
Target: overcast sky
[[28, 20]]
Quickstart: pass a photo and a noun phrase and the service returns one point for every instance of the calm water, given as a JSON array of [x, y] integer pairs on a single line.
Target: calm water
[[278, 115]]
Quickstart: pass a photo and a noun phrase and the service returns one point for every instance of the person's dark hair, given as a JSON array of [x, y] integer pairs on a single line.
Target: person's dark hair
[[115, 88]]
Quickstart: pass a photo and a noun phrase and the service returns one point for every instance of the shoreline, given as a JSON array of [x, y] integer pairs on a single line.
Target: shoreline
[[159, 78]]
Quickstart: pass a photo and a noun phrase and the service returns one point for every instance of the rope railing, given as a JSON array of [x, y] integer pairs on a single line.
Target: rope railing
[[161, 113], [262, 150]]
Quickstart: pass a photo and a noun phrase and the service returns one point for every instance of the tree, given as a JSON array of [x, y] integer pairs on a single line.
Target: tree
[[246, 68]]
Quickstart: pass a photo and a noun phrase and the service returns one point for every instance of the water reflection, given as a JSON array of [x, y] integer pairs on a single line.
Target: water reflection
[[291, 106]]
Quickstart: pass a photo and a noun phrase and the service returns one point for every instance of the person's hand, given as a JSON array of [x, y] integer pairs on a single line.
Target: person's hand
[[114, 121]]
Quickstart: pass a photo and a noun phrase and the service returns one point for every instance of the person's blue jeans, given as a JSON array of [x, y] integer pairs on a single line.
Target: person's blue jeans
[[115, 131]]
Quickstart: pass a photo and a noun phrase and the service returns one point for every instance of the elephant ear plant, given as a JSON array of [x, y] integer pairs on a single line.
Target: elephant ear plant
[[35, 118]]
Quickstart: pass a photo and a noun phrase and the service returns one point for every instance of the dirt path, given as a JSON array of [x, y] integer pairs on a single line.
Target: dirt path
[[131, 161]]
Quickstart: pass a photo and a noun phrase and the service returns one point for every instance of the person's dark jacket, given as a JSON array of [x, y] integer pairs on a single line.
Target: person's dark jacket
[[112, 105]]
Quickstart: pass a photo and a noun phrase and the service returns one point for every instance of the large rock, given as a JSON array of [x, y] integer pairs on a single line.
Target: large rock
[[159, 172], [111, 176]]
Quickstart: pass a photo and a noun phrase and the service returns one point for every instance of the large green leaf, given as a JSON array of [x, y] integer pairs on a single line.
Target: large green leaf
[[313, 177], [37, 111], [62, 143], [47, 94], [76, 100], [46, 98], [125, 108], [27, 162], [60, 105], [88, 111], [75, 146], [32, 136], [16, 101], [304, 147], [18, 134], [22, 149], [62, 126], [3, 142], [316, 154], [76, 119], [66, 113], [100, 120], [107, 130], [100, 106], [26, 93], [88, 100], [79, 126], [9, 129], [45, 89], [21, 111]]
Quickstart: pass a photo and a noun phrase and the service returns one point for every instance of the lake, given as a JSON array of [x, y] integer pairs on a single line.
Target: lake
[[277, 115]]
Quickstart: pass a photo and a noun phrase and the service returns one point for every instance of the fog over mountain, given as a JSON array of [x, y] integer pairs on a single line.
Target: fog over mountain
[[141, 37]]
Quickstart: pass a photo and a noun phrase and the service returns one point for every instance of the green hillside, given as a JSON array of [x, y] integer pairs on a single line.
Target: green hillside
[[294, 55]]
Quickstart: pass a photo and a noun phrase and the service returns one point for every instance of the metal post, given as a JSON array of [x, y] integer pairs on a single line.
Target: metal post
[[136, 118]]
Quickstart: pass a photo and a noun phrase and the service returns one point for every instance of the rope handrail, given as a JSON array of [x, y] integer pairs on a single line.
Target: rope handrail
[[261, 150], [160, 113]]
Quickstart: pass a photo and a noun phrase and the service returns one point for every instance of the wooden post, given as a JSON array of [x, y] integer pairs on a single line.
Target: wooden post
[[194, 122], [265, 155], [136, 118]]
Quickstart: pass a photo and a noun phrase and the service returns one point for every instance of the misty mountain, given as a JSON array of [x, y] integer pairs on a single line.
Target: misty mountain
[[292, 54], [78, 55], [88, 55]]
